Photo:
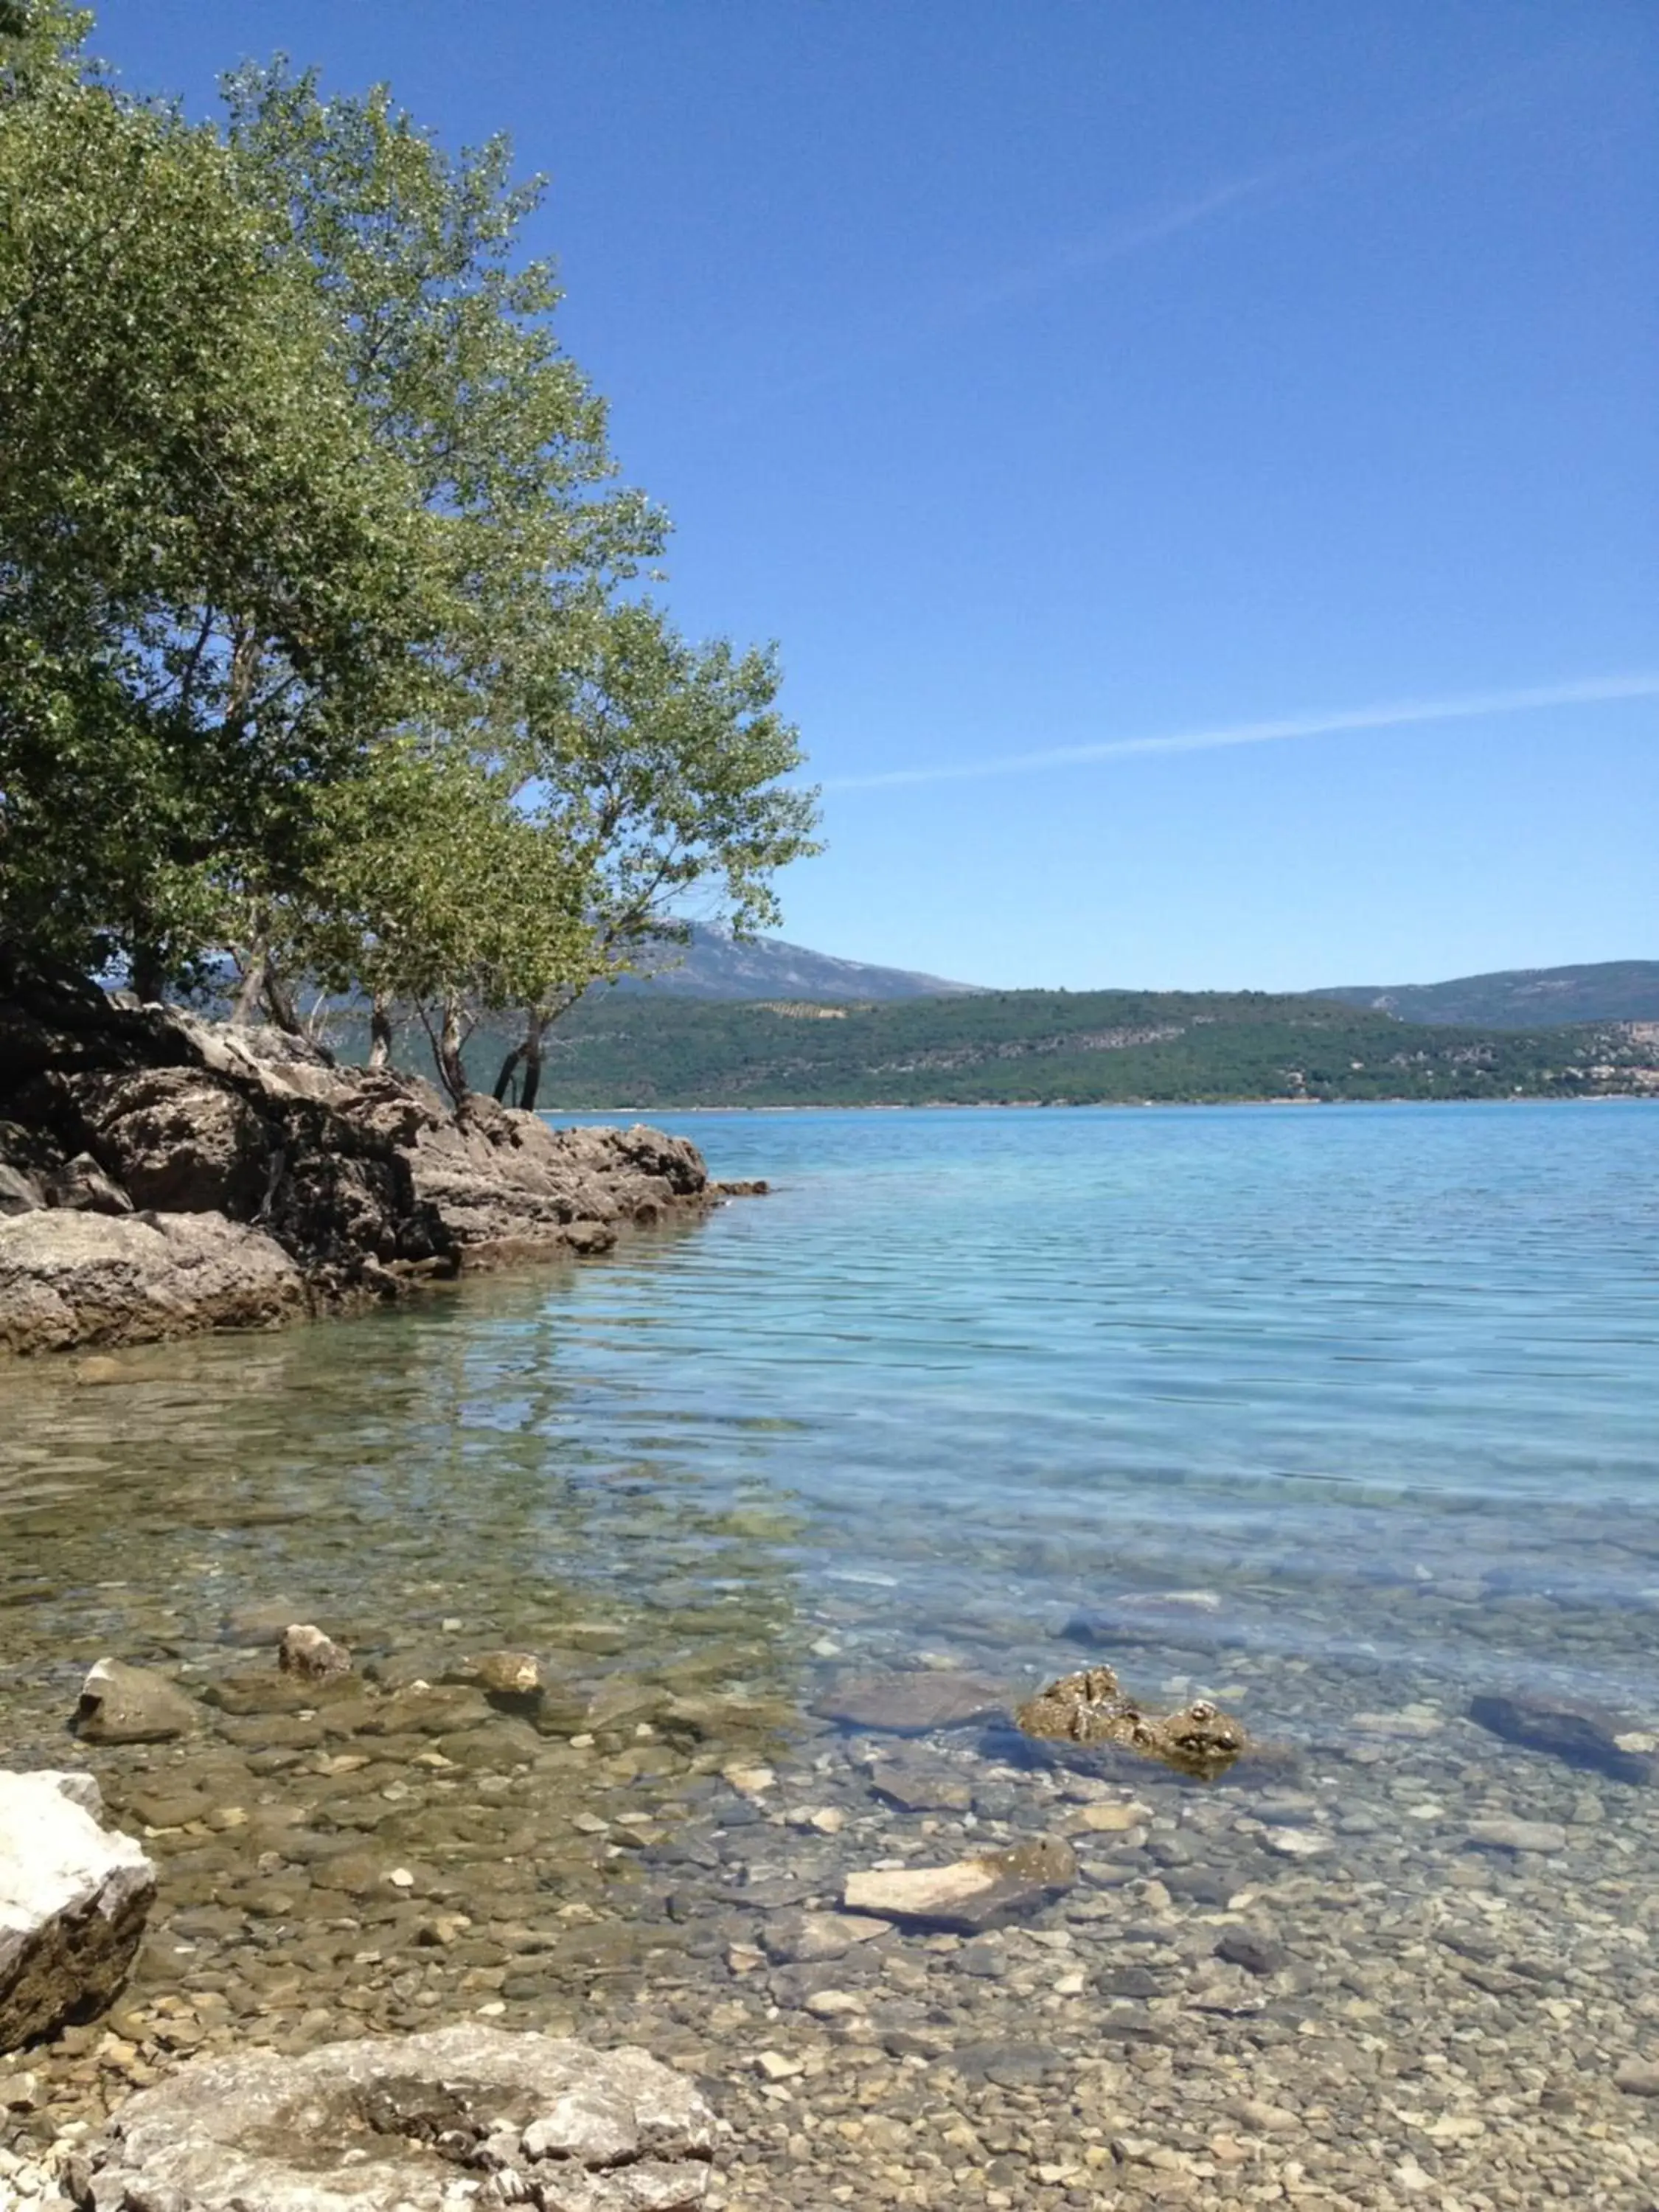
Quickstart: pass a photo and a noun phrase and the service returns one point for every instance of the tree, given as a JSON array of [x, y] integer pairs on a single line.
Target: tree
[[434, 891], [640, 766], [654, 766], [208, 579], [318, 639]]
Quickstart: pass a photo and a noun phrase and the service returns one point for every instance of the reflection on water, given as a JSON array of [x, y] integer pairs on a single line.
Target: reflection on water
[[1344, 1415]]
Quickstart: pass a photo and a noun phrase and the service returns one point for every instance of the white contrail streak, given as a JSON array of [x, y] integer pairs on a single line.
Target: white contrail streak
[[1400, 715]]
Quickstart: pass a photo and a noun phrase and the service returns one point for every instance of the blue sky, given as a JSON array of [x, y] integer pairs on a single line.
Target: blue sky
[[1051, 376]]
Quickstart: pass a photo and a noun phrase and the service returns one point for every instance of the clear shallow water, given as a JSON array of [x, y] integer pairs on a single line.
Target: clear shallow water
[[1048, 1357], [1335, 1413]]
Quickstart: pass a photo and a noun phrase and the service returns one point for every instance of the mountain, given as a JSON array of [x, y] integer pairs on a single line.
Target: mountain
[[714, 965], [1521, 998], [650, 1051]]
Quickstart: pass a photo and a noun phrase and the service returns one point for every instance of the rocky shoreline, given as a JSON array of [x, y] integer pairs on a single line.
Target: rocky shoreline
[[162, 1175]]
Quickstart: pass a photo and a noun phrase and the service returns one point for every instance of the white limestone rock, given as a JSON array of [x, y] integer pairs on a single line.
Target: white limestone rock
[[73, 1898], [424, 2123]]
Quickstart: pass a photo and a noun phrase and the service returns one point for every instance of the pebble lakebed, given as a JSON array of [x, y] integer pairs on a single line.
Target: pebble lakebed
[[1319, 1981], [1395, 1962]]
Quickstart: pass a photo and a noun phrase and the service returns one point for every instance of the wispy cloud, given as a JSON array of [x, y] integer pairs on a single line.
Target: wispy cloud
[[933, 311], [949, 307], [1396, 714]]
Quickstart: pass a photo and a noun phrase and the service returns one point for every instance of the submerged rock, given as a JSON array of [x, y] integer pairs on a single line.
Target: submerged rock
[[970, 1893], [502, 1673], [129, 1704], [909, 1703], [1581, 1734], [306, 1653], [73, 1898], [419, 2122], [916, 1788], [1089, 1708], [1504, 1834]]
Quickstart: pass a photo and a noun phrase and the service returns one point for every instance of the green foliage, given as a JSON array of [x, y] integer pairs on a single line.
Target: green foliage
[[1055, 1048], [205, 585], [656, 764], [451, 358], [432, 891], [636, 765], [314, 635], [1522, 998]]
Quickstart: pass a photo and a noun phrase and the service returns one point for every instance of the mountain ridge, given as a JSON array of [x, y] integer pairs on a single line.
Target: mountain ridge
[[1519, 998], [714, 965]]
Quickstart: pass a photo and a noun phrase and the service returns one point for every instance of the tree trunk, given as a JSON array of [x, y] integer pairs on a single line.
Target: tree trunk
[[279, 1001], [249, 990], [380, 1031], [532, 1049], [504, 1080], [146, 974], [449, 1047]]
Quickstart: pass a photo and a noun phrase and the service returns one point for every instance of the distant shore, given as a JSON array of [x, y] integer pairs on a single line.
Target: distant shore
[[1097, 1105]]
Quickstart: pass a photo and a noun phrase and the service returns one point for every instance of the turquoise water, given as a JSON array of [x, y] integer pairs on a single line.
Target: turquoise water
[[1377, 1379], [1340, 1416], [1310, 1360]]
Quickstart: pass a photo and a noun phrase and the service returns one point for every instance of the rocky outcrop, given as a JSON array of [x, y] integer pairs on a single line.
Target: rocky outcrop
[[73, 1898], [160, 1173], [421, 2123]]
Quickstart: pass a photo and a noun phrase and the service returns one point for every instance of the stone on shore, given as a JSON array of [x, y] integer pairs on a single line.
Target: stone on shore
[[422, 2123], [70, 1278], [129, 1704], [73, 1898], [1581, 1734], [970, 1894]]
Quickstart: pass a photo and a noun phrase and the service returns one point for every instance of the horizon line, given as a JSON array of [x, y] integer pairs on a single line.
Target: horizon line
[[1394, 714]]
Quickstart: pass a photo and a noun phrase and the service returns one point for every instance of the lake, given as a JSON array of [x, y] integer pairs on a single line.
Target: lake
[[1345, 1417]]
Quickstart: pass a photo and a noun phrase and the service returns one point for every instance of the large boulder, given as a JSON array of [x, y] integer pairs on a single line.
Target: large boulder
[[30, 1165], [425, 2123], [73, 1898], [71, 1277], [178, 1139]]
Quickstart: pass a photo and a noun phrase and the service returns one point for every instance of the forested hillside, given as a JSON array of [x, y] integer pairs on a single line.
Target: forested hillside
[[1521, 998], [1057, 1048]]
